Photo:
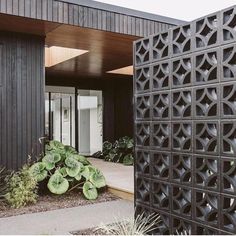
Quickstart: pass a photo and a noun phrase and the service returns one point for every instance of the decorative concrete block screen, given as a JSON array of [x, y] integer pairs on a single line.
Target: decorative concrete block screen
[[185, 125]]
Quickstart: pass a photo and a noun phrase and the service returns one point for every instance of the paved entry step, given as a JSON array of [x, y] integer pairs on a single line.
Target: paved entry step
[[119, 178]]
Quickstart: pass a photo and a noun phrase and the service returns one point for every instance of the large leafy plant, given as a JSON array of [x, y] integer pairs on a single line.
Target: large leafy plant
[[120, 151], [64, 170]]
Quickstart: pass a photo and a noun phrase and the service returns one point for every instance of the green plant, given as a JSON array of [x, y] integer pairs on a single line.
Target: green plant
[[4, 174], [64, 170], [21, 188], [120, 151], [141, 225]]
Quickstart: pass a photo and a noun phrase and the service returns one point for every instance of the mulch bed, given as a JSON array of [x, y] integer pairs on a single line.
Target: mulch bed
[[91, 231], [52, 202]]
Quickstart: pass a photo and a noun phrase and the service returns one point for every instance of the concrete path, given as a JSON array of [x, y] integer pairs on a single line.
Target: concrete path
[[64, 221], [117, 175]]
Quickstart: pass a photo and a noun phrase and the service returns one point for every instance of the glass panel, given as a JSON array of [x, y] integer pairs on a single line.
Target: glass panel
[[90, 121], [56, 116], [63, 118], [67, 120], [47, 115]]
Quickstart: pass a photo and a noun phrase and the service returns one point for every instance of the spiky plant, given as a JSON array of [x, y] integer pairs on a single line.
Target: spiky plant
[[183, 232], [140, 225]]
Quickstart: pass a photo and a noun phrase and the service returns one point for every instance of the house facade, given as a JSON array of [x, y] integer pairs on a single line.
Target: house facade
[[66, 73]]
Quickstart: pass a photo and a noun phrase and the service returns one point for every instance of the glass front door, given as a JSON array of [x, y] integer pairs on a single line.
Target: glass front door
[[90, 121], [61, 120]]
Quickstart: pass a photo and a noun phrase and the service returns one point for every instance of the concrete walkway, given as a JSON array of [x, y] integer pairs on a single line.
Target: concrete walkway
[[117, 175], [66, 220]]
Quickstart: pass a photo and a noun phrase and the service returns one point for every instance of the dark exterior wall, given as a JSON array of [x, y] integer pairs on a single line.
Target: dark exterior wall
[[118, 110], [21, 97], [117, 103], [185, 126], [83, 16]]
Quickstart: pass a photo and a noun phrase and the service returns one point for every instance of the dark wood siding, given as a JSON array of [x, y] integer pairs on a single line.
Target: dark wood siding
[[83, 16], [21, 97]]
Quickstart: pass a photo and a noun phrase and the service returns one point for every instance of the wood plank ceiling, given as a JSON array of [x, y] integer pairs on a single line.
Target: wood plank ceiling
[[107, 36]]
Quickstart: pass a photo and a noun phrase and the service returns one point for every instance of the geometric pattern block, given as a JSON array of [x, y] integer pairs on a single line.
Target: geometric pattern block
[[229, 24], [160, 196], [142, 162], [142, 135], [181, 201], [205, 67], [160, 165], [143, 190], [228, 100], [228, 175], [181, 40], [161, 76], [206, 207], [142, 51], [143, 107], [228, 63], [228, 131], [163, 227], [142, 81], [206, 172], [198, 229], [182, 104], [228, 211], [206, 31], [181, 226], [160, 46], [206, 137], [142, 209], [206, 102], [182, 72], [161, 133], [161, 106], [181, 168], [182, 136], [189, 132]]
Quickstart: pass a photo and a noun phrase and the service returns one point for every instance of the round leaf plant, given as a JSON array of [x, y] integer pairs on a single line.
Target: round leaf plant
[[38, 171], [57, 184], [90, 191], [97, 179], [65, 169]]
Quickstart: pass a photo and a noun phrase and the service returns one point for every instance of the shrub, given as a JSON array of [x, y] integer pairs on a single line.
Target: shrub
[[21, 188], [120, 151], [3, 183], [64, 169]]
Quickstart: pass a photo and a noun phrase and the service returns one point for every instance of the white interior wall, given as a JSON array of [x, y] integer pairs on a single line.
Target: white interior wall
[[90, 125]]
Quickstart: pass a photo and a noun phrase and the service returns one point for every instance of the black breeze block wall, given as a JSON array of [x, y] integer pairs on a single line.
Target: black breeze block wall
[[185, 125]]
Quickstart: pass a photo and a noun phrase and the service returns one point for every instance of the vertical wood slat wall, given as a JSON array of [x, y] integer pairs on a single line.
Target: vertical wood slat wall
[[72, 14], [21, 97]]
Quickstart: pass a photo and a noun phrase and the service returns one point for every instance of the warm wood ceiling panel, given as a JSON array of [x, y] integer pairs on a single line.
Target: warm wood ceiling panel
[[106, 52]]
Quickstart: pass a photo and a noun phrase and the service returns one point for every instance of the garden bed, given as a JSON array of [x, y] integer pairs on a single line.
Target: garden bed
[[91, 231], [53, 202]]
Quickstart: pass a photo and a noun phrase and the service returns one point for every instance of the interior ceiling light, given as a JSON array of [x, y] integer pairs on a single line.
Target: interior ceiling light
[[128, 70], [55, 55]]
